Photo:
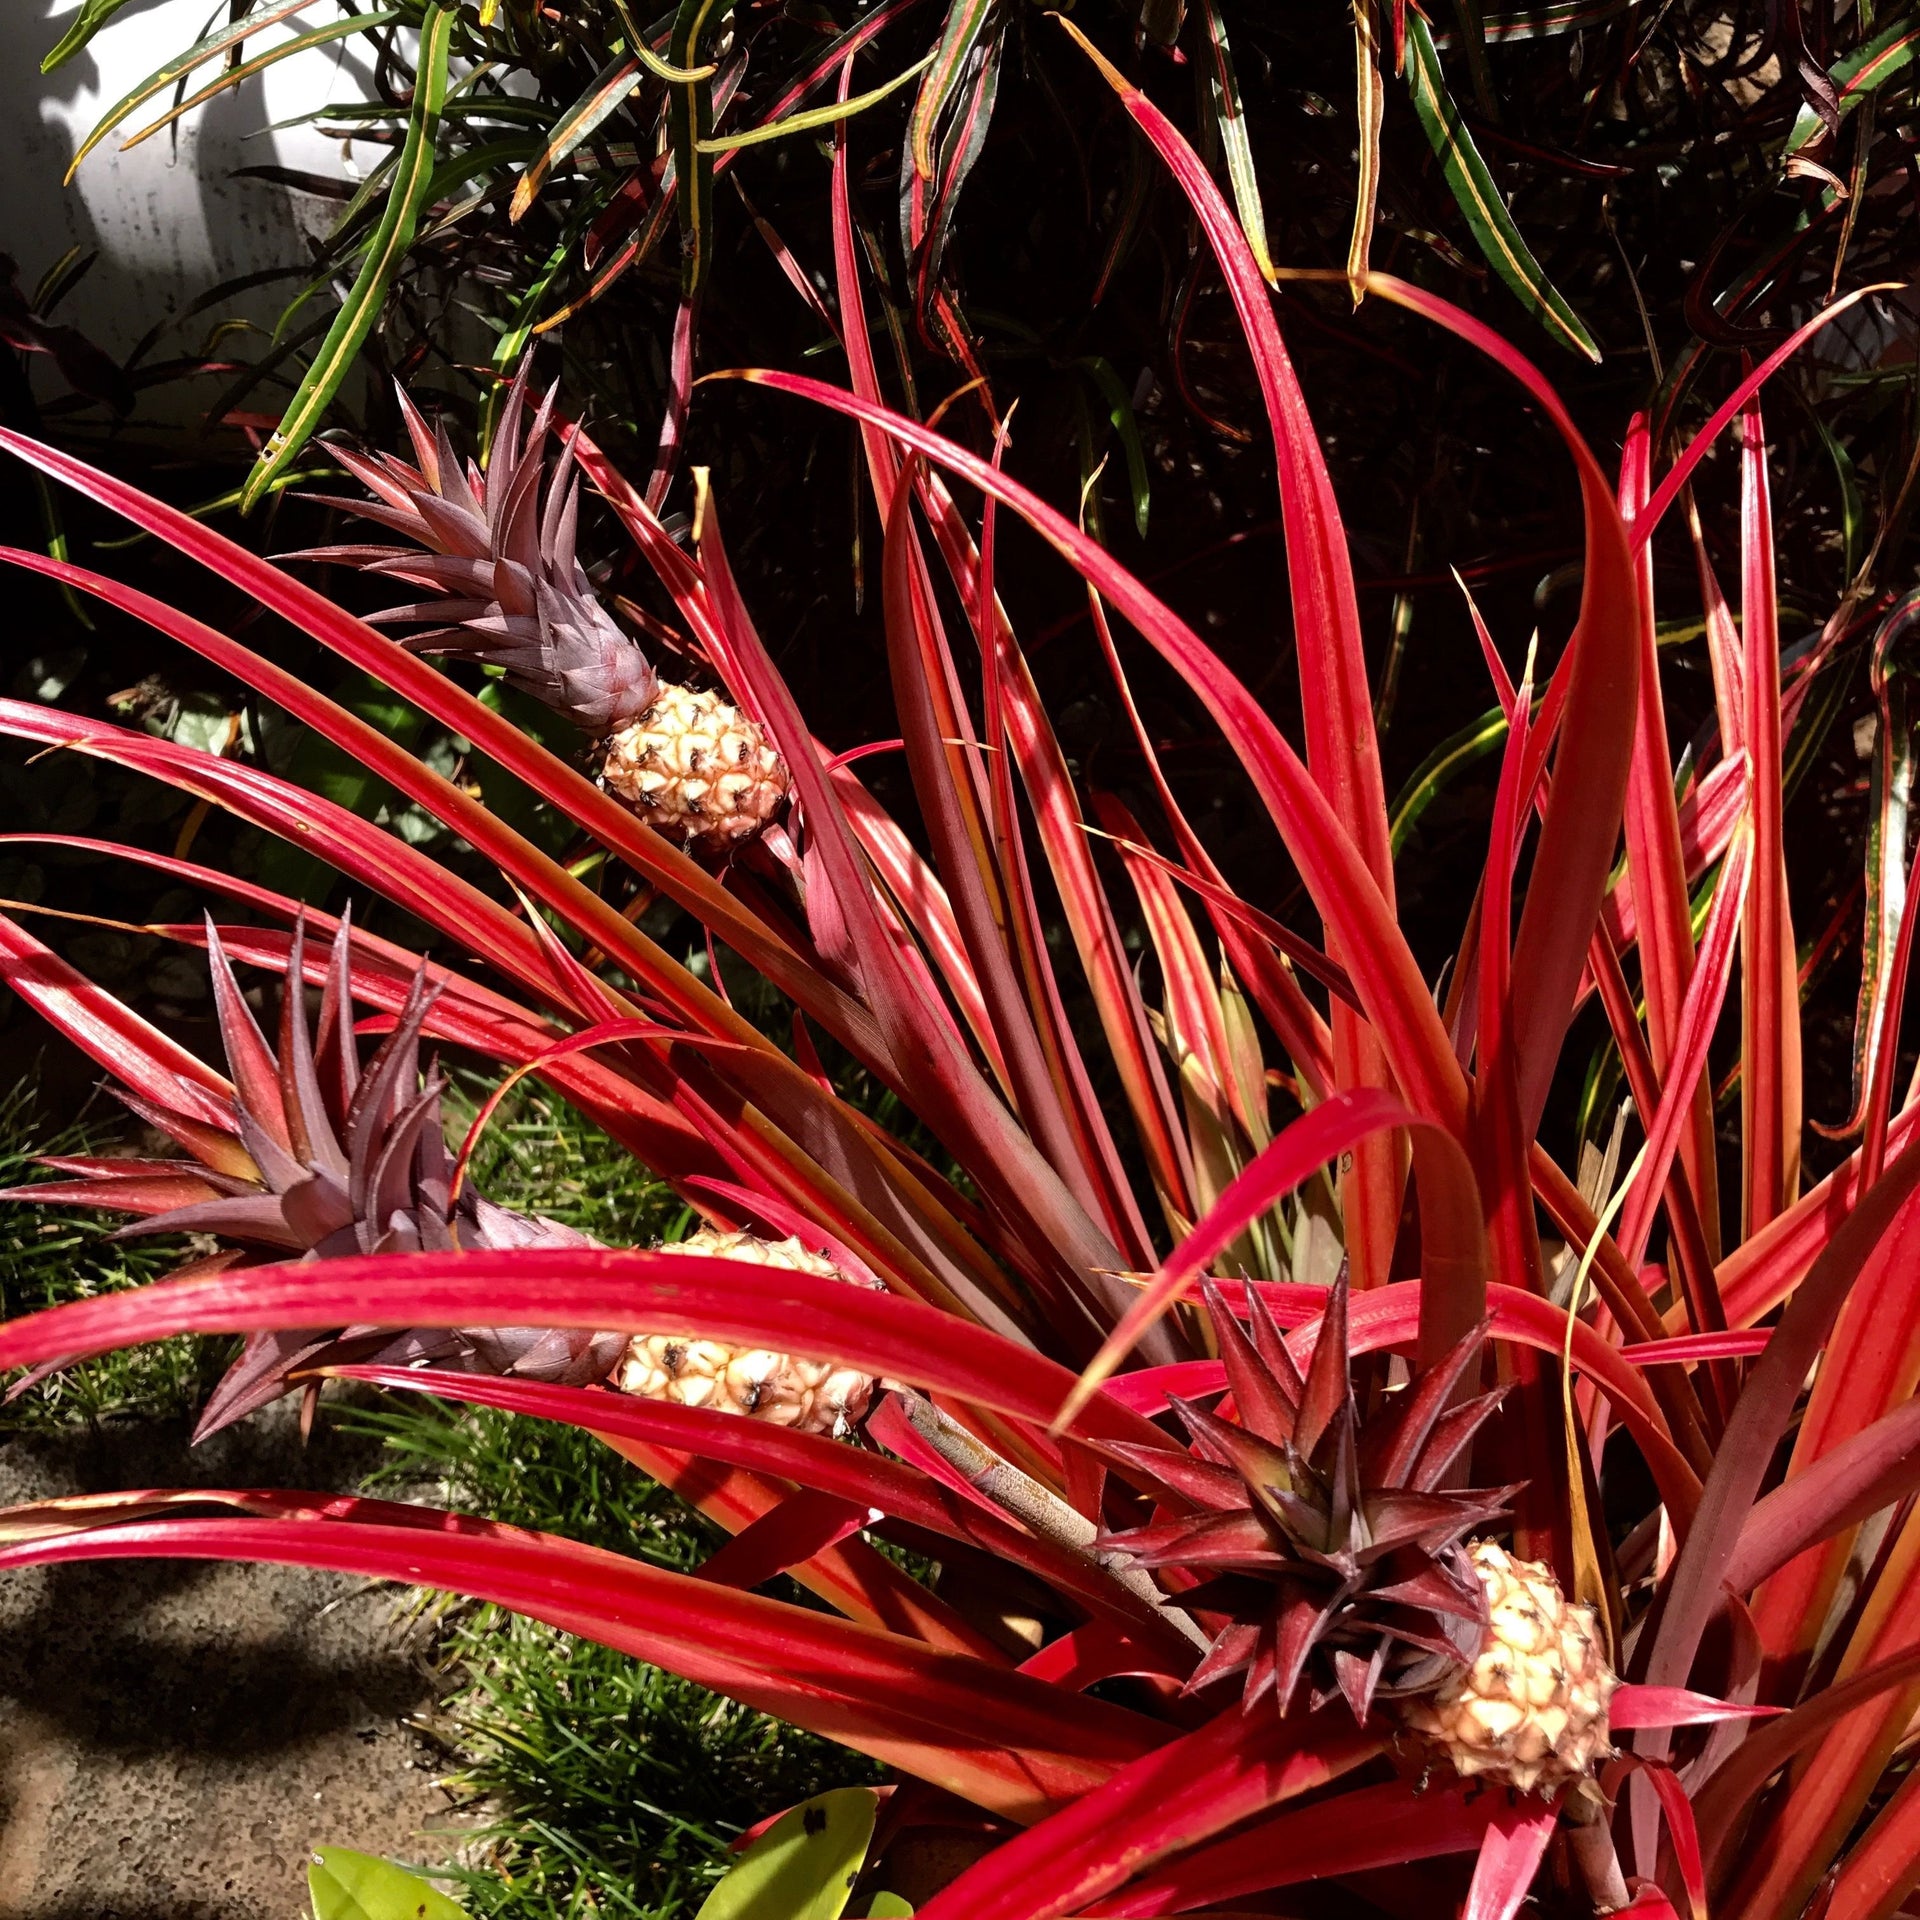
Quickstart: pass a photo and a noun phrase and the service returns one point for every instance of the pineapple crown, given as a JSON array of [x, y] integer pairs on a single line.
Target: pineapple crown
[[499, 551], [328, 1157], [1319, 1548]]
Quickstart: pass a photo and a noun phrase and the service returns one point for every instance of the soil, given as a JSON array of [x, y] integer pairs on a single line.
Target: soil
[[174, 1735]]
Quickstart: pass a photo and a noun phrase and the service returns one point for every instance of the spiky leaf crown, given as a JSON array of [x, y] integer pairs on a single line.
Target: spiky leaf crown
[[1320, 1549], [500, 552], [329, 1157]]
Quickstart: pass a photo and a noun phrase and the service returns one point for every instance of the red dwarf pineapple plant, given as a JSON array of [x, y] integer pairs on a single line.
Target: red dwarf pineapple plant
[[1310, 1568]]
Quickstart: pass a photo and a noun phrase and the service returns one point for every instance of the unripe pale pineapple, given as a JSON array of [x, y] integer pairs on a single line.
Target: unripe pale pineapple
[[1531, 1709], [816, 1396], [496, 550], [695, 769]]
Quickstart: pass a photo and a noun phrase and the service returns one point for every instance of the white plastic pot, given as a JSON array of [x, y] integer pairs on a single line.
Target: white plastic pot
[[168, 219]]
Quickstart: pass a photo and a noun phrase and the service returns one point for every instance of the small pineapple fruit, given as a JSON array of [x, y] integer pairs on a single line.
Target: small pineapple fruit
[[1531, 1709], [816, 1396], [695, 769], [496, 551]]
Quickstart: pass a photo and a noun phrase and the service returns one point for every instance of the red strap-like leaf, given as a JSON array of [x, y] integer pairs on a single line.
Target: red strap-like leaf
[[1010, 1743]]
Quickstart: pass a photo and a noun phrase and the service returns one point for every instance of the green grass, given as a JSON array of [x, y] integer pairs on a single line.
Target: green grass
[[599, 1785], [608, 1786], [611, 1787], [52, 1254]]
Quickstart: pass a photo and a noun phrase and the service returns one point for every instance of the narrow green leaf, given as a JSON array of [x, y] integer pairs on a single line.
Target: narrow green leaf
[[804, 1866], [822, 116], [1858, 75], [1370, 95], [86, 23], [1444, 764], [966, 21], [1479, 198], [237, 75], [345, 1885], [1223, 94], [604, 94], [412, 179], [1120, 413], [527, 313], [177, 68], [690, 116]]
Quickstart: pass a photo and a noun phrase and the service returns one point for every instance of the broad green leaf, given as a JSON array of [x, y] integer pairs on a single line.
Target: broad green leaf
[[86, 23], [406, 197], [804, 1866], [346, 1885], [1223, 94], [1858, 75], [177, 68], [1479, 199]]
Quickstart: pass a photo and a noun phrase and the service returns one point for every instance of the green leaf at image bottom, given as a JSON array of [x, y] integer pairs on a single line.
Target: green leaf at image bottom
[[889, 1906], [804, 1866], [346, 1885]]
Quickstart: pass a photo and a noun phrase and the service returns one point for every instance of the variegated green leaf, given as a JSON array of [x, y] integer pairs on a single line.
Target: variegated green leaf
[[966, 21], [1479, 198], [690, 117], [157, 82], [406, 198], [609, 87], [1371, 111], [1451, 758], [1229, 114], [1857, 76], [811, 117], [246, 70]]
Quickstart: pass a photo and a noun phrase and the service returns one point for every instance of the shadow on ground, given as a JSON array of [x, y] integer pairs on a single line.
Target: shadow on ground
[[175, 1735]]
